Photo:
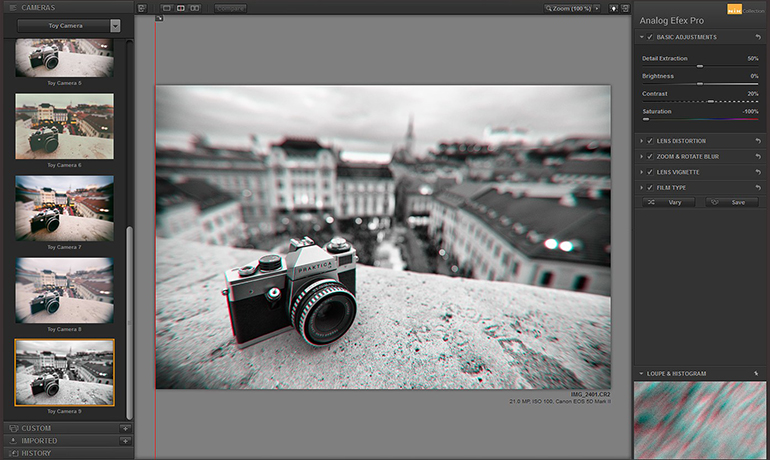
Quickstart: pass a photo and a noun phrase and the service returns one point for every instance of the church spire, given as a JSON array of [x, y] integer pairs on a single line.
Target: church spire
[[409, 144]]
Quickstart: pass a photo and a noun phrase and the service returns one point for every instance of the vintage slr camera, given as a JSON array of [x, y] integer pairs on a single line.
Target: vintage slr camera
[[48, 383], [311, 290], [48, 219], [44, 138], [47, 301], [45, 55]]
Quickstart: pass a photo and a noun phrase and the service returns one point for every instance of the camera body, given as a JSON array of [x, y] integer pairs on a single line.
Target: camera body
[[45, 55], [47, 219], [311, 290], [47, 383], [47, 301], [44, 138]]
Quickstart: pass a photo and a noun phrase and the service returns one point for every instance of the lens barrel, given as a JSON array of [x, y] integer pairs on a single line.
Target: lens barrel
[[52, 306], [322, 312], [51, 388]]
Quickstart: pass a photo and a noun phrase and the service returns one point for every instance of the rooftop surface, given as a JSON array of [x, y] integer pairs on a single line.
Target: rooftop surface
[[412, 331], [71, 393], [70, 148], [72, 311], [71, 228]]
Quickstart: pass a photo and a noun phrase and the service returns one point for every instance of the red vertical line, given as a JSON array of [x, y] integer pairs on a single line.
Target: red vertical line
[[154, 274]]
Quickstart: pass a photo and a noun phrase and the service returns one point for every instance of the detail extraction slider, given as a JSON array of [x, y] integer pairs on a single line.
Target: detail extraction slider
[[69, 26]]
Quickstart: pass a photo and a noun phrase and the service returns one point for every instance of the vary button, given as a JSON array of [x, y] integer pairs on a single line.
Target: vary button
[[732, 202], [678, 202]]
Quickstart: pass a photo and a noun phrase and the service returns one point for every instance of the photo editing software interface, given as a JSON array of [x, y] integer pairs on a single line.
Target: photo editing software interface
[[384, 229]]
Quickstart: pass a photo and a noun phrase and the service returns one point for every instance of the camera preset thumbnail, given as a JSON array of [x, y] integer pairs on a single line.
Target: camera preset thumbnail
[[72, 290], [64, 57], [66, 372], [383, 237], [65, 126], [64, 208]]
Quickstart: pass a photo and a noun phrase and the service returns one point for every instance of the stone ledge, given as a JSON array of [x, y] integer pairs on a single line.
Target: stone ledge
[[71, 393], [70, 148], [72, 311], [71, 228], [412, 330]]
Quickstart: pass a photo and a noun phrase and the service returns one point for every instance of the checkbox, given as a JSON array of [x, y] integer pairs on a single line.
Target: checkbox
[[650, 186], [649, 36], [650, 139], [650, 155], [650, 171]]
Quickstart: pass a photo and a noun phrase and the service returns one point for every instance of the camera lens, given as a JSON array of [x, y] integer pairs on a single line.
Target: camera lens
[[52, 224], [53, 306], [322, 312], [51, 144], [51, 62], [52, 388], [330, 315]]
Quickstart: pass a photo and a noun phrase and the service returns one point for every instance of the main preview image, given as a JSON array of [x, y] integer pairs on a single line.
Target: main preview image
[[383, 237]]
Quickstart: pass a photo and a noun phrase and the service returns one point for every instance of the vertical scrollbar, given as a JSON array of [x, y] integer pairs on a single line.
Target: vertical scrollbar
[[130, 90], [129, 323]]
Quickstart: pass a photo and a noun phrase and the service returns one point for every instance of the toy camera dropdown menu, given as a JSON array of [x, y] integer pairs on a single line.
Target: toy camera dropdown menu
[[700, 170]]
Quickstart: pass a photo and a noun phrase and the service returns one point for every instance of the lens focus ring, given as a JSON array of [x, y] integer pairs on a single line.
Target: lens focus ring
[[315, 297]]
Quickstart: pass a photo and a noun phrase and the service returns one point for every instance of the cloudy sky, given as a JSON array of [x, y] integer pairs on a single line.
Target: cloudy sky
[[63, 100], [62, 183], [375, 118], [62, 347], [62, 265]]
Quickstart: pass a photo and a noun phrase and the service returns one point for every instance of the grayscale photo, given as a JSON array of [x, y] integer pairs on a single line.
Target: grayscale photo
[[65, 126], [65, 372], [64, 208], [72, 290], [64, 57], [383, 237]]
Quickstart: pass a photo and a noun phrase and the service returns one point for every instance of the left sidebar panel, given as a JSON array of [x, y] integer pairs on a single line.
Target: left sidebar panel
[[67, 190]]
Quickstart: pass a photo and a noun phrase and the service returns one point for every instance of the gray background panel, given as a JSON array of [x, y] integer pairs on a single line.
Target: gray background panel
[[387, 50]]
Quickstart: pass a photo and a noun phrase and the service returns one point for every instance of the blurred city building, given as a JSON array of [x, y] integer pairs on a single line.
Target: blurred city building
[[553, 242], [303, 173], [240, 172], [366, 191], [96, 372], [195, 210], [47, 195], [97, 126], [98, 46]]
